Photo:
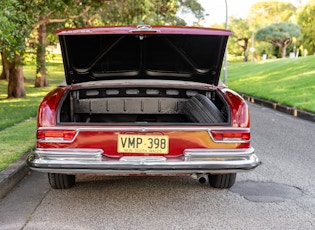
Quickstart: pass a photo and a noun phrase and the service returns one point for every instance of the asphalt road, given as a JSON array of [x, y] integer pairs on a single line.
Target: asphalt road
[[279, 194]]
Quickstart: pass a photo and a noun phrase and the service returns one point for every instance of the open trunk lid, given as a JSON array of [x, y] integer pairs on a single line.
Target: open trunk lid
[[143, 52]]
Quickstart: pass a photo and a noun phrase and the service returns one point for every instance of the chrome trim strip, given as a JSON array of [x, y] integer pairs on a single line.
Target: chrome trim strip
[[223, 153], [143, 159], [143, 130], [70, 154], [193, 161]]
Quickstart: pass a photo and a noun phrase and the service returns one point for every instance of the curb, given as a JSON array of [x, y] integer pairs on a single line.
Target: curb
[[281, 108], [12, 175], [17, 171]]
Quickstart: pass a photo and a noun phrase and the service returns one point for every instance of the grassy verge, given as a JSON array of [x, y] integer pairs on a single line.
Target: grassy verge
[[15, 141], [286, 81], [16, 136]]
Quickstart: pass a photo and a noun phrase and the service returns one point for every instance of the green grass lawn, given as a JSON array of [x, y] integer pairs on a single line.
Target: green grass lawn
[[13, 111], [287, 81], [15, 141], [18, 123]]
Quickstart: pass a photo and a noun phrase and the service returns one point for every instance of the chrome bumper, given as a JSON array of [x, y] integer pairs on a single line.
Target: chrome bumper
[[92, 161]]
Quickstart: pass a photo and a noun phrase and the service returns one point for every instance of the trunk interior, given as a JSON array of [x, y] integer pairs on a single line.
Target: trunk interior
[[142, 106]]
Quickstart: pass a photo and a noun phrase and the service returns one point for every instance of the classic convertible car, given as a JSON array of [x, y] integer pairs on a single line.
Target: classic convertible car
[[143, 101]]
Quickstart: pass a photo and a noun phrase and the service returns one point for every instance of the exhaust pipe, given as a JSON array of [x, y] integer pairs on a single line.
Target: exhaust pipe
[[202, 180], [200, 177]]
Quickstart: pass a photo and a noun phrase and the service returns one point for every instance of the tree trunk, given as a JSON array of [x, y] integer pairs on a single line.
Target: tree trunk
[[283, 51], [5, 72], [245, 50], [16, 78], [41, 75]]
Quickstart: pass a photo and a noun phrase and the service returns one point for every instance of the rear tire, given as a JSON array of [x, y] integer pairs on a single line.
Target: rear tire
[[222, 180], [61, 181]]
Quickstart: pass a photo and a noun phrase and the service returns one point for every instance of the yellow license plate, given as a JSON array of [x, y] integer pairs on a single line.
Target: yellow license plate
[[149, 144]]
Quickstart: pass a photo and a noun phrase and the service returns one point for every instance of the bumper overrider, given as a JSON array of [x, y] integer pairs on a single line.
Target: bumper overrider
[[92, 161]]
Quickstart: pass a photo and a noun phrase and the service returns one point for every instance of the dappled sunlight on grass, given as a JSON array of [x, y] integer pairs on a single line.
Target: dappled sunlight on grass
[[37, 94], [13, 111], [13, 101]]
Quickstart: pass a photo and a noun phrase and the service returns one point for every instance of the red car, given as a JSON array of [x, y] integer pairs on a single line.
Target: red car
[[143, 101]]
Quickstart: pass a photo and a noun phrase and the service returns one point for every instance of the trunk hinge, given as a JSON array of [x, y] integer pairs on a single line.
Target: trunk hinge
[[71, 105], [211, 94]]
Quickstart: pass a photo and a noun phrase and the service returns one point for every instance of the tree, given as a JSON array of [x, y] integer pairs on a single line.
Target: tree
[[152, 12], [52, 11], [263, 14], [307, 21], [15, 27], [280, 35], [241, 34]]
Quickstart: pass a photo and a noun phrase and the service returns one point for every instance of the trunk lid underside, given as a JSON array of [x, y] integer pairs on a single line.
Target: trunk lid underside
[[160, 53]]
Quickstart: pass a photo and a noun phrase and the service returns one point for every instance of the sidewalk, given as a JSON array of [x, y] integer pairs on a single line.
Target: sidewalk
[[16, 171]]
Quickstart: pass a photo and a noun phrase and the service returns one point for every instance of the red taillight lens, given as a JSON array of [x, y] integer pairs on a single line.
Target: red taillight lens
[[230, 135], [56, 135]]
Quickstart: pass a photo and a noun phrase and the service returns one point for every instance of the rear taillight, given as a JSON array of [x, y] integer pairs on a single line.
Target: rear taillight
[[51, 135], [231, 135]]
